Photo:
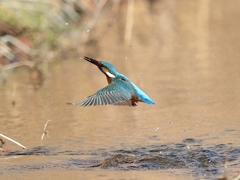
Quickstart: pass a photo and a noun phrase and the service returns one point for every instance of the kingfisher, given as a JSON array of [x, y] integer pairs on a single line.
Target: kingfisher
[[119, 91]]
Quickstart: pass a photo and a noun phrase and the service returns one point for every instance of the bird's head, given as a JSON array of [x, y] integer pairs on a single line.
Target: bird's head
[[106, 68]]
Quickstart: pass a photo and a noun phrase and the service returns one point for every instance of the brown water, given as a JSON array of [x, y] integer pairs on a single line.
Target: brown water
[[185, 57]]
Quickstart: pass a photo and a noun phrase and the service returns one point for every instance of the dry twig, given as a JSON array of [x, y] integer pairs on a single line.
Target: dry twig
[[45, 132], [13, 141], [91, 23], [129, 23]]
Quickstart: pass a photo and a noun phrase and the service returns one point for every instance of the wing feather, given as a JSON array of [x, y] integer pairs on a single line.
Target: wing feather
[[86, 101], [91, 102], [118, 92]]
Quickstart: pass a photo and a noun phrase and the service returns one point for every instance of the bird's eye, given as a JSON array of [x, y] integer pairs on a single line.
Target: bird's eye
[[123, 79]]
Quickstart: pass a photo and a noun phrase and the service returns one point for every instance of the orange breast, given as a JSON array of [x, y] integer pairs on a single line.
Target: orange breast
[[109, 80]]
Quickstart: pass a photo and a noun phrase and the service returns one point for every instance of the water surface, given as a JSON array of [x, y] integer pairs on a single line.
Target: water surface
[[186, 58]]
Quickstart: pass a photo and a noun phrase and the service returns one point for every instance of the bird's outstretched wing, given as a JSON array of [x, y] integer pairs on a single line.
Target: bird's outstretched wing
[[117, 92]]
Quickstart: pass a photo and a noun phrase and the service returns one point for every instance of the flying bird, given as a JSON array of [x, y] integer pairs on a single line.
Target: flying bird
[[120, 90]]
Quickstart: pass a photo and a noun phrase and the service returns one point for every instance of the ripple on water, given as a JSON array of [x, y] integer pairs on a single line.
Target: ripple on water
[[190, 155]]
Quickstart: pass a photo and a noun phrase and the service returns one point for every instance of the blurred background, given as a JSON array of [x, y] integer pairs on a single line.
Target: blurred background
[[183, 54]]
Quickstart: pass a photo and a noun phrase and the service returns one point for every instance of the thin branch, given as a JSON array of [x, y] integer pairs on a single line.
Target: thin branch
[[13, 141], [45, 132], [16, 42], [17, 64], [45, 127], [91, 23], [129, 22], [115, 10]]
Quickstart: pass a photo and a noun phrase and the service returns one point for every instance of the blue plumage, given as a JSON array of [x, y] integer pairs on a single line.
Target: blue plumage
[[120, 91]]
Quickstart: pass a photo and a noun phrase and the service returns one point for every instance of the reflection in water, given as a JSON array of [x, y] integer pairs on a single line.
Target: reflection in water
[[186, 57]]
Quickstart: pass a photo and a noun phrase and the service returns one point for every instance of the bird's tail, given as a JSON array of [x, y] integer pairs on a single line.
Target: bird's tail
[[148, 100], [142, 95]]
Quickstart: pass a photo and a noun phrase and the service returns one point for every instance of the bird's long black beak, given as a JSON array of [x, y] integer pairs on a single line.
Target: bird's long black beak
[[93, 61]]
